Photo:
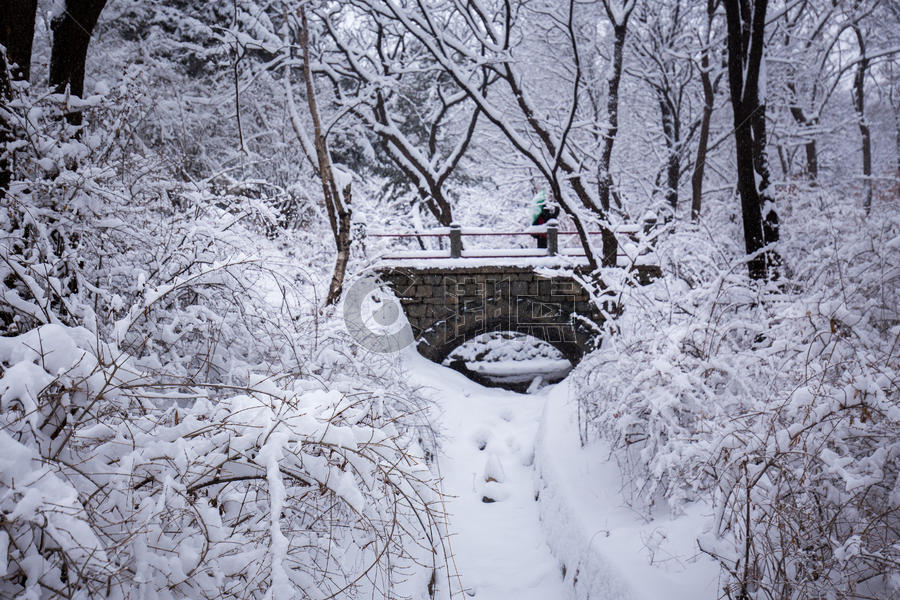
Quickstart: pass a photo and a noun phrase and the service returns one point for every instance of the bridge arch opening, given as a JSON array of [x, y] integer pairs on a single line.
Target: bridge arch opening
[[569, 334], [509, 359]]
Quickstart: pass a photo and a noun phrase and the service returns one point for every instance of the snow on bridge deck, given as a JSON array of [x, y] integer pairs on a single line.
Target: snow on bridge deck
[[513, 257], [631, 252]]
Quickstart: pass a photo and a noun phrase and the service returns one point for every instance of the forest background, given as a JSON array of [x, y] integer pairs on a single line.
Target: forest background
[[183, 414]]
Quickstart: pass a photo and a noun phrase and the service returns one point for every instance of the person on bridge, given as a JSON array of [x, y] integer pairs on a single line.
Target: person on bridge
[[541, 215]]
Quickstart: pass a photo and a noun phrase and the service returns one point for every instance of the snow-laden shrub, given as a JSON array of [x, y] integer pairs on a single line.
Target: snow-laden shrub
[[179, 417], [108, 492], [95, 234], [779, 404]]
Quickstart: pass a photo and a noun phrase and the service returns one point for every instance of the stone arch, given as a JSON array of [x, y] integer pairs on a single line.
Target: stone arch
[[572, 336], [447, 306]]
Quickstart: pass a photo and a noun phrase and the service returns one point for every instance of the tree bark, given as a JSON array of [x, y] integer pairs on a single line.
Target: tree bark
[[72, 31], [702, 143], [16, 36], [709, 99], [671, 125], [604, 179], [746, 26], [812, 160], [337, 203], [859, 105], [770, 222]]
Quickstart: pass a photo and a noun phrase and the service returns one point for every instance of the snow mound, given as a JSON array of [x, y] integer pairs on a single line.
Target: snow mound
[[607, 550]]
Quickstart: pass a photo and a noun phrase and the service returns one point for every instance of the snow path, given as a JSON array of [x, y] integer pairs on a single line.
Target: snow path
[[487, 452], [513, 547]]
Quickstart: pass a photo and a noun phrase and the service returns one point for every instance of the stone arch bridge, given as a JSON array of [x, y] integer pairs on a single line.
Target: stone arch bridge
[[450, 297]]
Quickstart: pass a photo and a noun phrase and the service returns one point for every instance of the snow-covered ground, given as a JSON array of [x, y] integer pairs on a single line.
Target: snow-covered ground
[[532, 515], [486, 464]]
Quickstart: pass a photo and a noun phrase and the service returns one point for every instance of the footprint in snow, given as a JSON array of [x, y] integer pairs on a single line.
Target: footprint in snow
[[493, 470], [481, 438], [494, 476], [493, 491]]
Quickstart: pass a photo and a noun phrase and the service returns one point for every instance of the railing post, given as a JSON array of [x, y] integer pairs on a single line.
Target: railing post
[[649, 224], [455, 240], [552, 237]]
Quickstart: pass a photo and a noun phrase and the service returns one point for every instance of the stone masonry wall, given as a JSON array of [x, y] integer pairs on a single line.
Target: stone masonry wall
[[447, 306]]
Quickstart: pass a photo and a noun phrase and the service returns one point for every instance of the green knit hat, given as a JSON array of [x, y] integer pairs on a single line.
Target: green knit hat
[[540, 199]]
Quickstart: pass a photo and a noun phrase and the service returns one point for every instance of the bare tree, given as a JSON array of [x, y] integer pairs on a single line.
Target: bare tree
[[709, 85], [810, 66], [385, 79], [859, 105], [618, 13], [465, 39], [806, 114], [337, 201], [746, 20], [660, 44]]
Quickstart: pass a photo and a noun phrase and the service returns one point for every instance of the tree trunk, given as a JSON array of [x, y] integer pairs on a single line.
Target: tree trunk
[[16, 35], [672, 133], [859, 104], [746, 25], [897, 141], [812, 153], [702, 143], [604, 183], [805, 123], [71, 36], [433, 196], [337, 203], [709, 99], [770, 224], [812, 160], [440, 208]]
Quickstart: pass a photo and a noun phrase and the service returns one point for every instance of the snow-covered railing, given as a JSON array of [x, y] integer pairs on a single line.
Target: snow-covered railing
[[456, 232]]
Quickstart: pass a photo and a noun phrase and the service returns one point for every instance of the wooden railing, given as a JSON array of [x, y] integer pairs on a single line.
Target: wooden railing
[[455, 234]]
